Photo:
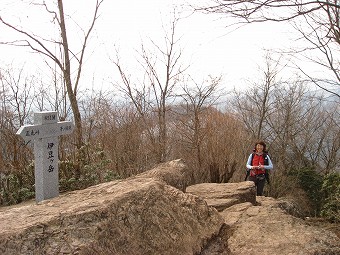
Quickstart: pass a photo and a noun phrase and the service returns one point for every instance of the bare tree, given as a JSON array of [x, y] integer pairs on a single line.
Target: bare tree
[[224, 146], [162, 70], [16, 97], [317, 21], [52, 94], [316, 134], [46, 46], [195, 100], [256, 104]]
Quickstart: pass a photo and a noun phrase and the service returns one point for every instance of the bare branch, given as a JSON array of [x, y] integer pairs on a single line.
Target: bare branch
[[45, 51], [95, 17], [317, 21]]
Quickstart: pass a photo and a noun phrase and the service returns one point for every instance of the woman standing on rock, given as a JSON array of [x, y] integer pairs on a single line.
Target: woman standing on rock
[[258, 165]]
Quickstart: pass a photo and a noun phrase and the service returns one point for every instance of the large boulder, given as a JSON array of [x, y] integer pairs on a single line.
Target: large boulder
[[174, 173], [224, 195], [135, 216], [260, 225], [267, 229]]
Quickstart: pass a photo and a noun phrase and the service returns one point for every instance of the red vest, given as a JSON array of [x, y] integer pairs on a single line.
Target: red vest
[[257, 160]]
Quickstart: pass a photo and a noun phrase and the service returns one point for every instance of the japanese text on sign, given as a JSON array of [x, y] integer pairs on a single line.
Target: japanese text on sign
[[50, 117], [32, 132], [65, 128], [50, 157]]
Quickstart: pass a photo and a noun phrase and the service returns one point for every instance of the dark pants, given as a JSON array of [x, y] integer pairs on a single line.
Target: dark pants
[[259, 181]]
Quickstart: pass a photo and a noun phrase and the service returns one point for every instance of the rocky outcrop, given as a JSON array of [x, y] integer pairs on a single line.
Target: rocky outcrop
[[263, 227], [174, 173], [266, 229], [224, 195], [149, 214], [136, 216]]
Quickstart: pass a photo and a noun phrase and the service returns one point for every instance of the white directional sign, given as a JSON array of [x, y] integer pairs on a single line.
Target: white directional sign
[[32, 132], [44, 133]]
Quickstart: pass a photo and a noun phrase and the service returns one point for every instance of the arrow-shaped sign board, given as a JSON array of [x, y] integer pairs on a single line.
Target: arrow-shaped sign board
[[32, 132]]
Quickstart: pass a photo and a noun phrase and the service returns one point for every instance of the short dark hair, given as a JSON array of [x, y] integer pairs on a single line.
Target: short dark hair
[[262, 143]]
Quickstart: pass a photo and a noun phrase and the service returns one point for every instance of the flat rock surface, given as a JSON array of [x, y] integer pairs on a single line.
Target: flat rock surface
[[136, 216], [224, 195]]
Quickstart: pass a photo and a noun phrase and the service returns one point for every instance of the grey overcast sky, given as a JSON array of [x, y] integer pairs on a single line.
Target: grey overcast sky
[[209, 47]]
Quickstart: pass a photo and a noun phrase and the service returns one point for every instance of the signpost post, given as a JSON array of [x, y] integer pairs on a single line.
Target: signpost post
[[44, 133]]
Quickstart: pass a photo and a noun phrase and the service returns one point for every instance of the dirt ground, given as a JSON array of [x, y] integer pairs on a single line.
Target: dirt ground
[[322, 223]]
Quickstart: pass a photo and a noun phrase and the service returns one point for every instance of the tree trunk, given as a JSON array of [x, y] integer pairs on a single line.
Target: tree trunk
[[67, 76], [72, 94]]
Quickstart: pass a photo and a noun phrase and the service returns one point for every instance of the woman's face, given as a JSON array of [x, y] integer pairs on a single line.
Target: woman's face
[[259, 148]]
